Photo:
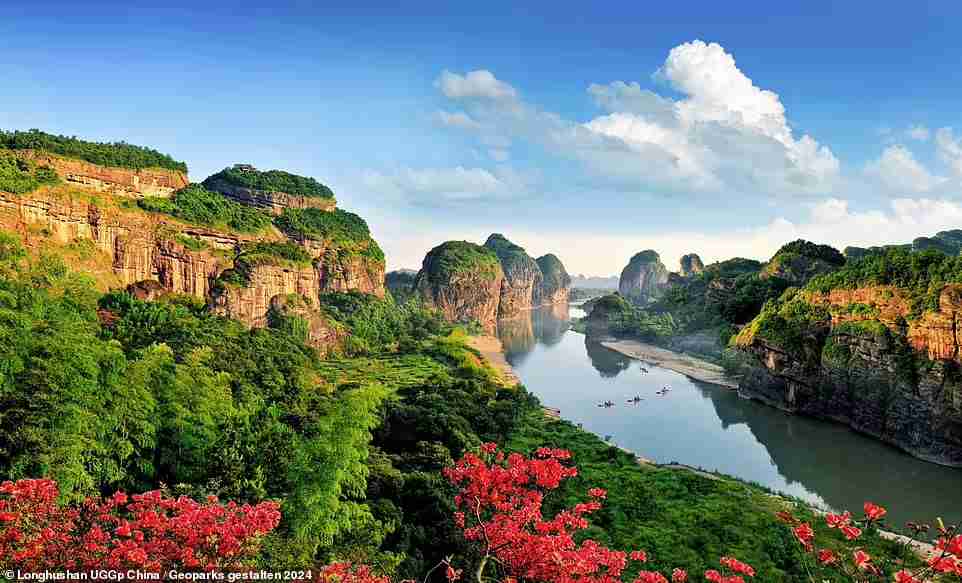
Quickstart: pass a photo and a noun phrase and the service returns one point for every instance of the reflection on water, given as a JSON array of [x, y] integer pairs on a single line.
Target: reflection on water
[[703, 425]]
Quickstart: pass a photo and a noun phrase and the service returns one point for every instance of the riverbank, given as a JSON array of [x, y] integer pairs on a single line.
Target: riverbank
[[694, 368], [492, 352]]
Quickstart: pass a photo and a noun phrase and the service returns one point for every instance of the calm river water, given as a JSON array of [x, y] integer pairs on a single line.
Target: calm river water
[[712, 427]]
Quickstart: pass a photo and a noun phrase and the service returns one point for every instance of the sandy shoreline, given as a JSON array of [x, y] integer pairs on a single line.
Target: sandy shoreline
[[689, 366], [493, 352]]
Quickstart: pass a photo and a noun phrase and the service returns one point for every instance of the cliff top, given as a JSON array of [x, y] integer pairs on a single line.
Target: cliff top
[[246, 176], [514, 259], [116, 154], [453, 258], [646, 256], [553, 270]]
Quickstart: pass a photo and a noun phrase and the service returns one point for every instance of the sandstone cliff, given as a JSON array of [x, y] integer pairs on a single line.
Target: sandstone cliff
[[463, 281], [644, 279], [116, 181], [272, 201], [522, 276], [864, 357], [155, 253], [555, 282]]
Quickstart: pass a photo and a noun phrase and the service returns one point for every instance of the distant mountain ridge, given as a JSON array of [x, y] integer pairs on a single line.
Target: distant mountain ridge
[[594, 282]]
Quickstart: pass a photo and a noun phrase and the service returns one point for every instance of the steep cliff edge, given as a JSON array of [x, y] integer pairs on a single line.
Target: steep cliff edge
[[522, 276], [187, 244], [874, 345], [555, 282], [645, 278], [463, 281]]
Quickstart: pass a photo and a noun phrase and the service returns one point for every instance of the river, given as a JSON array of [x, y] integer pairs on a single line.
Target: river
[[824, 463]]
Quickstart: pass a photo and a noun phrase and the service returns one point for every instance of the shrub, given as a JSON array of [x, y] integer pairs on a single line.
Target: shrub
[[343, 230], [119, 154], [197, 205], [20, 176], [271, 181]]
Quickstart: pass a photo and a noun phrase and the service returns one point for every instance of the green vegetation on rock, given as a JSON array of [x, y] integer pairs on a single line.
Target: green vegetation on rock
[[118, 154], [456, 258], [255, 254], [197, 205], [553, 271], [270, 181], [921, 275], [19, 176], [341, 229]]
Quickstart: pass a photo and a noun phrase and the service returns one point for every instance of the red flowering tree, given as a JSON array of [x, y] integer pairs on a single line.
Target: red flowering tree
[[150, 531], [944, 558]]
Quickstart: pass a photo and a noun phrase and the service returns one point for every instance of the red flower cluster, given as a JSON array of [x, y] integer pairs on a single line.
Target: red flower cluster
[[948, 559], [148, 531], [500, 506], [347, 573]]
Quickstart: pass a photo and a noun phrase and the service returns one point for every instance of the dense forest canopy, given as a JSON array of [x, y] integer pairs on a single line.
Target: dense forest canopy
[[119, 154]]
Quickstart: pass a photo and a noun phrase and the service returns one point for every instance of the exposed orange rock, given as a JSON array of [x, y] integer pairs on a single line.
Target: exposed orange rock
[[116, 181], [272, 201]]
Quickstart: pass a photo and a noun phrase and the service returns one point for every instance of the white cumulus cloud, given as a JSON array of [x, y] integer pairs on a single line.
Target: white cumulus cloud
[[458, 119], [949, 149], [898, 171], [918, 132], [475, 84], [456, 184]]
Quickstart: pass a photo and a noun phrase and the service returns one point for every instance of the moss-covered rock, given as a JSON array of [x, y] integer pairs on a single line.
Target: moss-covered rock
[[463, 281]]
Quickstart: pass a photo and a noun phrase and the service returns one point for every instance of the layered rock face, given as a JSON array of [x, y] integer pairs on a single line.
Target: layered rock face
[[463, 281], [147, 251], [555, 282], [645, 278], [691, 265], [116, 181], [861, 359], [271, 201], [522, 276]]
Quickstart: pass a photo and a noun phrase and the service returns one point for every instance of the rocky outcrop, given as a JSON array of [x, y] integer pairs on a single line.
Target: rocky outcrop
[[297, 312], [644, 279], [272, 201], [400, 283], [155, 255], [800, 261], [691, 265], [522, 276], [860, 357], [124, 182], [601, 310], [555, 282], [463, 281]]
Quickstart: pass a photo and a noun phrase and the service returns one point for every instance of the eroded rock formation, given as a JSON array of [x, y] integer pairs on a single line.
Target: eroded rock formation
[[555, 282], [691, 265], [522, 276], [156, 254], [862, 358], [645, 278], [463, 281], [272, 201], [116, 181]]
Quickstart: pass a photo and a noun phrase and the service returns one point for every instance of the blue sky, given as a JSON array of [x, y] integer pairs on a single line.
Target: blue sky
[[591, 130]]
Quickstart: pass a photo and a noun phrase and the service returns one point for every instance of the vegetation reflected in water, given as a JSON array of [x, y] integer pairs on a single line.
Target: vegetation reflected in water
[[711, 427]]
